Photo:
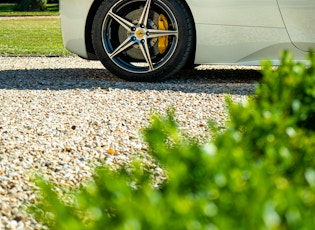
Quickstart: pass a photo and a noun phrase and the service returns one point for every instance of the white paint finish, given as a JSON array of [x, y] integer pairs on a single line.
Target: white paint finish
[[228, 31], [230, 44], [299, 18], [260, 13], [73, 14]]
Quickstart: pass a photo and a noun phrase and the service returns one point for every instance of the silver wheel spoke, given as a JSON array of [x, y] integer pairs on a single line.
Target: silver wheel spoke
[[145, 14], [146, 53], [134, 38], [160, 33], [123, 46], [123, 22]]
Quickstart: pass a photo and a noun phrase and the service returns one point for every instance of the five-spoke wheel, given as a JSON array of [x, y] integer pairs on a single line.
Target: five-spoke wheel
[[143, 40]]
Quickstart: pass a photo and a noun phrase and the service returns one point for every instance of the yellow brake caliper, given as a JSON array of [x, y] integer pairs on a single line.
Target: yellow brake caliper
[[162, 41]]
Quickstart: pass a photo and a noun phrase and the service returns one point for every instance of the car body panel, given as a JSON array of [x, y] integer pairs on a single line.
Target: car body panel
[[299, 18], [227, 31], [73, 15], [237, 44], [257, 13], [243, 29]]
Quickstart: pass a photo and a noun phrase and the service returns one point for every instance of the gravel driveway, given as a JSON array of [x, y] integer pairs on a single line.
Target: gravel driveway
[[61, 115]]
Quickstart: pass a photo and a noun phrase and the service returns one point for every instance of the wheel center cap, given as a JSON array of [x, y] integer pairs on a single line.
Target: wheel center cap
[[140, 33]]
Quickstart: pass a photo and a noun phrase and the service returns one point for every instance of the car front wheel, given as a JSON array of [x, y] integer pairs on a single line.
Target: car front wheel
[[143, 40]]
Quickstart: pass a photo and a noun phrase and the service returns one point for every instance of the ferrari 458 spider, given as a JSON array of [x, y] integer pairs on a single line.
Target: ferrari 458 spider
[[149, 40]]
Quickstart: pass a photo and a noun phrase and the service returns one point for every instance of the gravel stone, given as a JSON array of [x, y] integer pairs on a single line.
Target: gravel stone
[[61, 116]]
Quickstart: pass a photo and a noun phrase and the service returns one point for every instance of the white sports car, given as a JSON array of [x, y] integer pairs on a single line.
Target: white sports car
[[149, 40]]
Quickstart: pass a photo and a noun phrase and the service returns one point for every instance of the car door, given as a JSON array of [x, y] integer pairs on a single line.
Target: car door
[[299, 18]]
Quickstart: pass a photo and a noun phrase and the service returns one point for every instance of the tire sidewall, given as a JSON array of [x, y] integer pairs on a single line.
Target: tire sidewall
[[175, 62]]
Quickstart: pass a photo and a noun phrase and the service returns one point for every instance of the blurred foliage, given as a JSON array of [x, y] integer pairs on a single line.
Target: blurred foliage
[[31, 5], [259, 173], [16, 9]]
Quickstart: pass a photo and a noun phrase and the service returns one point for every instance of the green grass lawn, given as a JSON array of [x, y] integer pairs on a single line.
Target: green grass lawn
[[31, 36]]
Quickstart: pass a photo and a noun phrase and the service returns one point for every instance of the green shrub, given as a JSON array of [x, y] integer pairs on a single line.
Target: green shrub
[[31, 5], [259, 173]]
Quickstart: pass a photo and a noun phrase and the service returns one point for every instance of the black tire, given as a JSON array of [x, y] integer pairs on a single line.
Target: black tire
[[143, 40]]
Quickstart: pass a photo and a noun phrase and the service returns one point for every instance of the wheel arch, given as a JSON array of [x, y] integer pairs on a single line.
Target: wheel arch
[[88, 29]]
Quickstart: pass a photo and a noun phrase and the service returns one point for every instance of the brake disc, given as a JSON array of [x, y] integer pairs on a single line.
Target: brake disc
[[135, 51]]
